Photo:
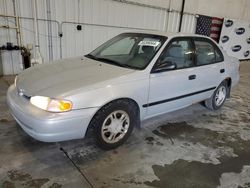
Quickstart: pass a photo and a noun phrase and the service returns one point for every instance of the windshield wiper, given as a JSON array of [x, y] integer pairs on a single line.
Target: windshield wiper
[[101, 59], [90, 56], [110, 61], [116, 63], [129, 66], [106, 60]]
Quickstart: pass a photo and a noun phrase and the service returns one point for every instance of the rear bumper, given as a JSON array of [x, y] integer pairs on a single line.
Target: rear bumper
[[46, 126]]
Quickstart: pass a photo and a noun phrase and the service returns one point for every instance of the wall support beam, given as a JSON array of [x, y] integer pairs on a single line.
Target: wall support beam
[[181, 14]]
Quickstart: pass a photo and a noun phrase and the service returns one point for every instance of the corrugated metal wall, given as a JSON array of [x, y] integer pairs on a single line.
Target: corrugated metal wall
[[100, 20], [188, 23]]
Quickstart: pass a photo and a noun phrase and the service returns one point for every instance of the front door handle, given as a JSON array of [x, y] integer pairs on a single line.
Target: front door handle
[[192, 77], [222, 70]]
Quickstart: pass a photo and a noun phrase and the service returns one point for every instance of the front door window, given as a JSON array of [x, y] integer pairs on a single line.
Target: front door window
[[180, 53]]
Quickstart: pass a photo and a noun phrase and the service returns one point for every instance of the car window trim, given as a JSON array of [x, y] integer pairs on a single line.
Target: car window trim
[[166, 47], [192, 38]]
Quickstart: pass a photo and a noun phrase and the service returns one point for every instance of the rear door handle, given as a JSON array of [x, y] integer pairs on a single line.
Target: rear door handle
[[192, 77], [222, 70]]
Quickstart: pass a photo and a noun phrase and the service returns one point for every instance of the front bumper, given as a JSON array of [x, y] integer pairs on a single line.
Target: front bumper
[[47, 126]]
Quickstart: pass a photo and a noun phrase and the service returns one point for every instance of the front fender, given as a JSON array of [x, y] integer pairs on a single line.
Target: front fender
[[135, 90]]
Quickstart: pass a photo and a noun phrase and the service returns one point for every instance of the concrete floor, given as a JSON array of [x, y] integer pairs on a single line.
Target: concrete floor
[[193, 147]]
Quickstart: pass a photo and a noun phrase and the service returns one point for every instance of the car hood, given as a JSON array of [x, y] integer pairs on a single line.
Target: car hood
[[64, 76]]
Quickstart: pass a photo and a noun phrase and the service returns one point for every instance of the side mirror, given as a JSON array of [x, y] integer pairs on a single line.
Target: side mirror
[[165, 66]]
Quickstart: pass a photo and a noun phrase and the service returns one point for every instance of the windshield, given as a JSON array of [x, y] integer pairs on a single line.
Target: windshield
[[131, 50]]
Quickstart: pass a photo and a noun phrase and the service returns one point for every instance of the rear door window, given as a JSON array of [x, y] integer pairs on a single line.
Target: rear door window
[[206, 52]]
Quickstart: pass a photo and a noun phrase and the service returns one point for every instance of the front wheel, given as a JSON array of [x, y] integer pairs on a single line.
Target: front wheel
[[114, 123], [218, 98]]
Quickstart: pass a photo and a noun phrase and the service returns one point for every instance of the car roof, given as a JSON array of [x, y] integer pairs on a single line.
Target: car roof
[[168, 34]]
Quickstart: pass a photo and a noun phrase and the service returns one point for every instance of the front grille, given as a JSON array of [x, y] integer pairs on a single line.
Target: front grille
[[21, 93], [26, 97]]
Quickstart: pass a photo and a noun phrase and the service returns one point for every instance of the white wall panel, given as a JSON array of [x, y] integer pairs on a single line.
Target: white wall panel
[[104, 12], [188, 23], [7, 34], [11, 62], [77, 43], [237, 9], [113, 18], [25, 8], [159, 3], [173, 22]]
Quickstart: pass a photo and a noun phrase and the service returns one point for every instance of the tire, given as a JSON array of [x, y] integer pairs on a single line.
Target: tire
[[218, 98], [114, 122]]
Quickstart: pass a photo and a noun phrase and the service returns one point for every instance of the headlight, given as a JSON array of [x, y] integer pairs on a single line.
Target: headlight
[[51, 105]]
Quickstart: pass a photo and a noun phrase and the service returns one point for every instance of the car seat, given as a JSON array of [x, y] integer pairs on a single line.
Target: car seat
[[140, 60], [175, 53]]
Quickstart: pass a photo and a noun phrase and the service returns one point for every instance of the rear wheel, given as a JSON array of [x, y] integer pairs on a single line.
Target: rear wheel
[[217, 100], [114, 123]]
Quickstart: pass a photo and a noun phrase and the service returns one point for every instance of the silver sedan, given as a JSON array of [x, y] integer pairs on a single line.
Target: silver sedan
[[132, 77]]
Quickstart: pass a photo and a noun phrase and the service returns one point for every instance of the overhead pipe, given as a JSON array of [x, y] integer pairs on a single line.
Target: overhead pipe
[[181, 14], [18, 35], [166, 16], [103, 25], [58, 26], [169, 11], [37, 46], [5, 15], [39, 19], [49, 30], [7, 27], [37, 58], [140, 4]]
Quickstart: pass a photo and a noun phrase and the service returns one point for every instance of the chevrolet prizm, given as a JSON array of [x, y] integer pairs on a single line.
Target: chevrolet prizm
[[132, 77]]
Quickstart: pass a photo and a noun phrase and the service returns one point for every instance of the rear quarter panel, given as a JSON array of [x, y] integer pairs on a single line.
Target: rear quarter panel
[[232, 68]]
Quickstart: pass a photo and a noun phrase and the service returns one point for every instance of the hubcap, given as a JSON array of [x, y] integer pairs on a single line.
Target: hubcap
[[220, 95], [115, 126]]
